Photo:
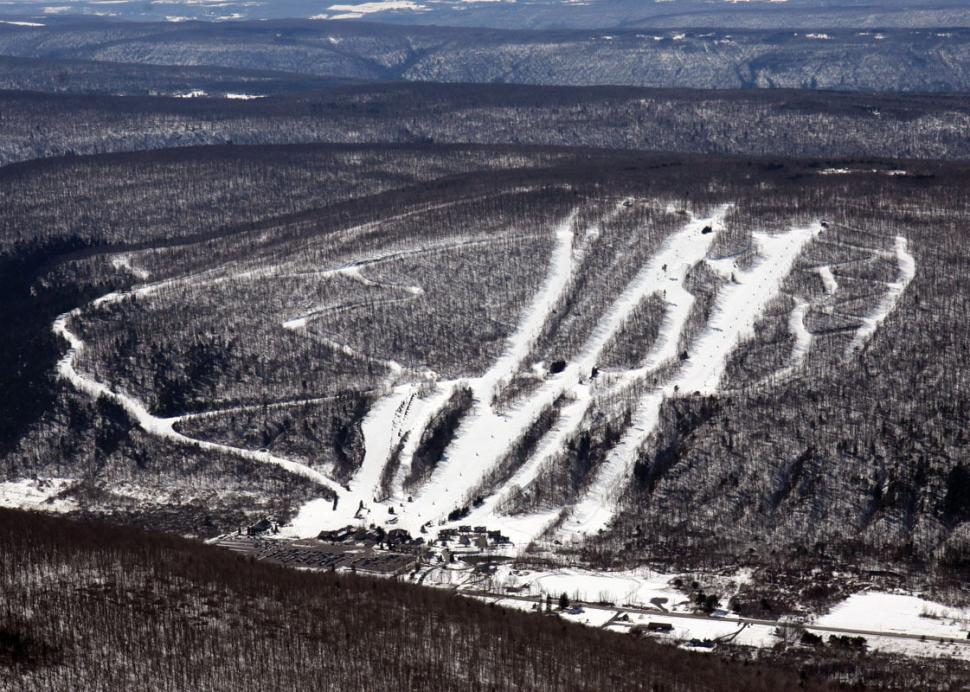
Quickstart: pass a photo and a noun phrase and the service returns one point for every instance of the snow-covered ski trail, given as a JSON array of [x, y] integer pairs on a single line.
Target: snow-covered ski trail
[[267, 406], [678, 254], [907, 271], [738, 306], [402, 412], [482, 440], [160, 427], [383, 428], [561, 267], [803, 337], [477, 433]]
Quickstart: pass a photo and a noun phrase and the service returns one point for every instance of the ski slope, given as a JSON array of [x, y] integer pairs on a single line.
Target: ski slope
[[738, 307], [485, 433], [409, 399], [907, 271]]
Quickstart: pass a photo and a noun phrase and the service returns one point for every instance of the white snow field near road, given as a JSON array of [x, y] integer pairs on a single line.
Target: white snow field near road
[[906, 614]]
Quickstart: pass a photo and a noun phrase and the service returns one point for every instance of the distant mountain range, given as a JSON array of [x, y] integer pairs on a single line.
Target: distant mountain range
[[912, 60], [538, 14]]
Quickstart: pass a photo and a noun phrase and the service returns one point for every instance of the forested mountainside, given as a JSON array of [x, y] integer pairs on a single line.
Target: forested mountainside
[[273, 332], [69, 217], [881, 59], [174, 614], [91, 77], [774, 123]]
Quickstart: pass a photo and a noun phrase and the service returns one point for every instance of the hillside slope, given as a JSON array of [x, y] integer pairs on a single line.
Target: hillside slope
[[753, 122], [173, 614], [663, 353]]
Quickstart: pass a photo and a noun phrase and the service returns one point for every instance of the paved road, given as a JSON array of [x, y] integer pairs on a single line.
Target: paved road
[[737, 620]]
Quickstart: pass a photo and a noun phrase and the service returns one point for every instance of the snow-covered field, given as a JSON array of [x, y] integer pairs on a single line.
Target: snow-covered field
[[621, 600], [37, 494], [639, 587], [902, 613]]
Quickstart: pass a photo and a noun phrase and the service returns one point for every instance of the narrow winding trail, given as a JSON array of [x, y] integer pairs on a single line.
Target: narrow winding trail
[[871, 322], [160, 427]]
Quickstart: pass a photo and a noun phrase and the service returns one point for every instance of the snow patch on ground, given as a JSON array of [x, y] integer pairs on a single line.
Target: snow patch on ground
[[803, 337], [37, 494], [123, 263], [356, 11], [828, 279], [905, 614]]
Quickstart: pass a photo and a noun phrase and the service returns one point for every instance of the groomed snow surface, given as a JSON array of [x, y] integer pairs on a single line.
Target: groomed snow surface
[[907, 271]]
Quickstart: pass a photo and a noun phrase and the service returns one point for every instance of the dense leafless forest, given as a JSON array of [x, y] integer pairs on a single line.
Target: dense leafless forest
[[174, 614], [755, 122]]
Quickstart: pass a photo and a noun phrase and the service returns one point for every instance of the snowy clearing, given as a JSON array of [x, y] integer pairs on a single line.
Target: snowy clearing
[[38, 494], [898, 613]]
